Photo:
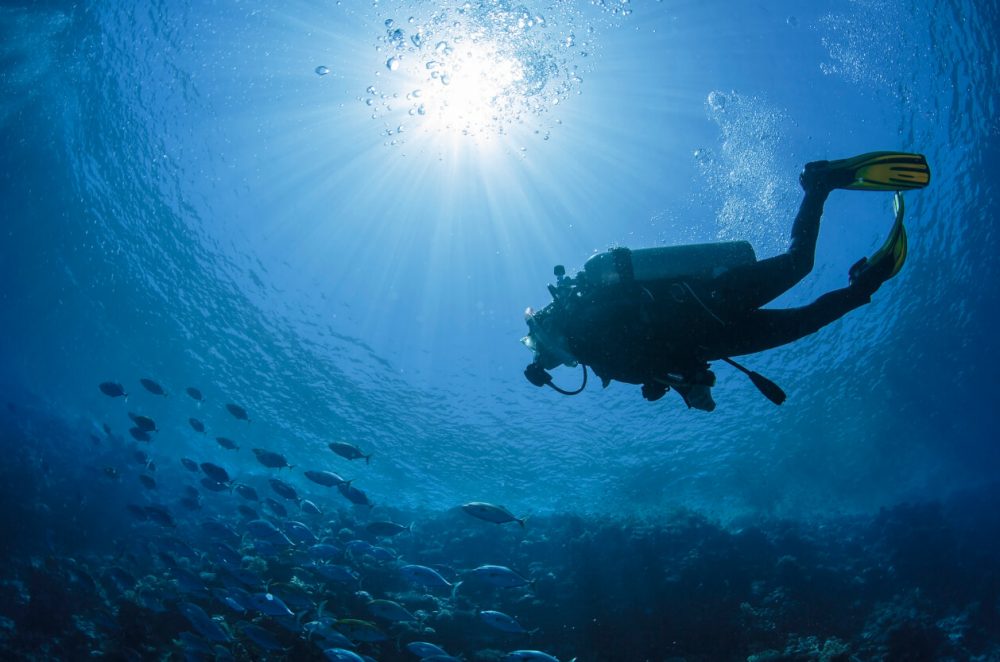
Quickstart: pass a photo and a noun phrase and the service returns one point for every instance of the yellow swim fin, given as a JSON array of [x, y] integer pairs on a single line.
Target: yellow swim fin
[[886, 262], [874, 171]]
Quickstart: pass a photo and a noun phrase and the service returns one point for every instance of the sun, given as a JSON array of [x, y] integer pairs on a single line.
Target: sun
[[474, 70], [477, 86]]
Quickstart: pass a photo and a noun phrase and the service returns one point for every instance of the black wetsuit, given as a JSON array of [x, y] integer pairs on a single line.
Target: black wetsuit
[[638, 332]]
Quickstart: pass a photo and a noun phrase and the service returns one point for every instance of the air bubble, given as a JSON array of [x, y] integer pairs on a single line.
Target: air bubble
[[717, 101], [322, 71]]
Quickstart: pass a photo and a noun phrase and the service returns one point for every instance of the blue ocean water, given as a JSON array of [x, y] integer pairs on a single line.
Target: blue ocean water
[[334, 216]]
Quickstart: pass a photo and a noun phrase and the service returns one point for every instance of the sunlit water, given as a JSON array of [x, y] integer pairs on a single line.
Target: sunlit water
[[335, 215]]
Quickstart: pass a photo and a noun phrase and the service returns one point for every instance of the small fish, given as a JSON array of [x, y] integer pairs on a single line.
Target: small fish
[[196, 425], [341, 655], [424, 649], [354, 495], [424, 576], [383, 554], [215, 472], [264, 530], [191, 503], [189, 464], [238, 412], [194, 393], [502, 622], [141, 456], [349, 451], [137, 512], [529, 656], [492, 513], [388, 610], [300, 534], [227, 443], [113, 390], [247, 492], [498, 575], [234, 598], [357, 549], [283, 489], [322, 629], [296, 596], [111, 472], [386, 529], [271, 459], [201, 622], [270, 605], [309, 507], [144, 423], [333, 572], [147, 481], [152, 386], [95, 440], [275, 507], [247, 511], [139, 435], [325, 478]]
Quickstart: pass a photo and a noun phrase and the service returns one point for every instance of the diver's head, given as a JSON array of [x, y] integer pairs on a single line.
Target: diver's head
[[546, 340]]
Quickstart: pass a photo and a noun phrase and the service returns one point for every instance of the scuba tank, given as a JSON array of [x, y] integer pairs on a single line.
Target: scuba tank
[[667, 262]]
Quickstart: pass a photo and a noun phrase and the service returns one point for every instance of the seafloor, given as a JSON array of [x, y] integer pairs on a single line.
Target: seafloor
[[86, 575]]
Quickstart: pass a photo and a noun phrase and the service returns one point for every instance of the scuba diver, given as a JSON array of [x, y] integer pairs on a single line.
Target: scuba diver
[[658, 316]]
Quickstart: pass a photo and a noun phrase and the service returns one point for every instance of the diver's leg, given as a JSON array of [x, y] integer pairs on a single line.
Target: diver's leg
[[758, 330], [754, 285]]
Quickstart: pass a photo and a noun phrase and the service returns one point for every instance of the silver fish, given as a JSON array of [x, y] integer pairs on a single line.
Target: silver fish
[[349, 451], [492, 513]]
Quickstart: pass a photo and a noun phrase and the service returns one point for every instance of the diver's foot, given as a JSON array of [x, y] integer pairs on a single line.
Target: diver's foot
[[697, 396], [697, 392], [866, 276], [818, 177], [653, 391]]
